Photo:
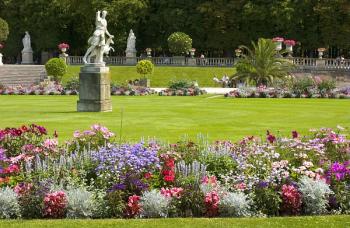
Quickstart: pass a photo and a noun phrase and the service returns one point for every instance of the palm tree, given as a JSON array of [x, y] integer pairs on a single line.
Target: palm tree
[[262, 64]]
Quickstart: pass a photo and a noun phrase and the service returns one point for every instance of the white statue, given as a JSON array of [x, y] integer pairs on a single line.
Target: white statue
[[131, 42], [97, 42], [26, 43]]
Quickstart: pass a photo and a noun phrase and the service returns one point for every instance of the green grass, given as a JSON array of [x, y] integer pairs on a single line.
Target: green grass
[[169, 118], [163, 75], [321, 221]]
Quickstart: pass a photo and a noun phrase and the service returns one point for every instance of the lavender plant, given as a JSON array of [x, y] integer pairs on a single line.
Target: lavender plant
[[315, 195], [9, 207]]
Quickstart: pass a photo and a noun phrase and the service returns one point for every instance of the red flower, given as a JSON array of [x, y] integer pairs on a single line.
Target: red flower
[[295, 134], [271, 138], [170, 163], [148, 175], [133, 206], [169, 178], [24, 128]]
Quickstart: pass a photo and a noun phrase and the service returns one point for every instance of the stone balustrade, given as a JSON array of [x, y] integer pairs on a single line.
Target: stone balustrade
[[300, 62]]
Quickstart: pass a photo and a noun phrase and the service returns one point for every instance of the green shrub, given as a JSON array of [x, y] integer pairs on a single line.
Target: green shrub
[[56, 67], [73, 84], [4, 30], [145, 67], [180, 84], [179, 43]]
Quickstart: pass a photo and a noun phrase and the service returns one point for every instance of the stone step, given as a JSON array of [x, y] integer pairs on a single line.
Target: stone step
[[13, 75]]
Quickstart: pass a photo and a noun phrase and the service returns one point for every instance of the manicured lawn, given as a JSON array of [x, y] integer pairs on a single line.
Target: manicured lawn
[[170, 118], [321, 221], [163, 75]]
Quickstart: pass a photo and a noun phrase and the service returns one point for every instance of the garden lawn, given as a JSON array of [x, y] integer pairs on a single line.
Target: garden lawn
[[170, 118], [320, 221], [163, 75]]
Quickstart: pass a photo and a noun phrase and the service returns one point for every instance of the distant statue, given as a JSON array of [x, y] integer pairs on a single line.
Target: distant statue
[[131, 42], [97, 42], [26, 43]]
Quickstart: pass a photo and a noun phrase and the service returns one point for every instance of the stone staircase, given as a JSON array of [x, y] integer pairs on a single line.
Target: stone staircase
[[25, 75]]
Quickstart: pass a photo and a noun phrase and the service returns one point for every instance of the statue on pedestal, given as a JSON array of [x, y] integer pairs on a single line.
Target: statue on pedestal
[[98, 44], [130, 47], [27, 52], [26, 43]]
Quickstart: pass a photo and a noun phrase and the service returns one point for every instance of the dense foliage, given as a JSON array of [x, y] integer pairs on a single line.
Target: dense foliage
[[261, 65], [56, 67], [4, 30], [145, 67], [179, 43], [94, 176], [216, 26]]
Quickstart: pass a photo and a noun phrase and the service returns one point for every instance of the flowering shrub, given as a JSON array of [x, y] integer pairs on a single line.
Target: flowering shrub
[[133, 206], [291, 200], [9, 207], [131, 90], [55, 204]]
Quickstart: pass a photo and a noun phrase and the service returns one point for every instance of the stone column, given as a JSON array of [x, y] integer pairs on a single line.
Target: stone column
[[1, 60], [27, 57], [94, 89], [131, 57]]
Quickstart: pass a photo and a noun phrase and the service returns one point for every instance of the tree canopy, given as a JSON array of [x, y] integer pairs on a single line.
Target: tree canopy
[[216, 27]]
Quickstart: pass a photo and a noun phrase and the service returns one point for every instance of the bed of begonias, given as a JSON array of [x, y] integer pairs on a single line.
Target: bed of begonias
[[93, 175]]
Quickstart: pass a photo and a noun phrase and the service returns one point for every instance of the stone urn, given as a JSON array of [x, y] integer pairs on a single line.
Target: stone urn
[[149, 52], [192, 52], [278, 41], [63, 47], [289, 46], [320, 52]]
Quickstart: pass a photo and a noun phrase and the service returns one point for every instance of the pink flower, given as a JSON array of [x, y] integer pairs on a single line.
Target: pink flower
[[55, 204], [211, 202], [290, 42], [295, 134], [278, 39], [63, 45]]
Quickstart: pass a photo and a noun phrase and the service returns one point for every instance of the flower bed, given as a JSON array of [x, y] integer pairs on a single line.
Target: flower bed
[[51, 88], [93, 176], [263, 92], [182, 92]]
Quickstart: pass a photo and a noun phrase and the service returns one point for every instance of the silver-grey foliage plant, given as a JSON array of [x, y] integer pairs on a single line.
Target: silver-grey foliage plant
[[154, 205], [80, 203], [9, 207], [235, 204], [315, 195]]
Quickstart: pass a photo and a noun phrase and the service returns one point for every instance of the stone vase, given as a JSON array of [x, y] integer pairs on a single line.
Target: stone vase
[[289, 49]]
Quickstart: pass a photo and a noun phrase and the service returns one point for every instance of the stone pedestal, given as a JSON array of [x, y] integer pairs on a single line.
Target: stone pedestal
[[320, 63], [27, 57], [192, 62], [64, 56], [131, 57], [94, 89], [1, 60]]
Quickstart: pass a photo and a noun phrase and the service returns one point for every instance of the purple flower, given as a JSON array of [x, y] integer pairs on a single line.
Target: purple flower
[[2, 154], [119, 159]]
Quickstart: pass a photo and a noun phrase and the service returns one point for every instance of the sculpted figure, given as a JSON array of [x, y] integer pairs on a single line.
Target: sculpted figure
[[97, 42], [26, 42], [131, 41]]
